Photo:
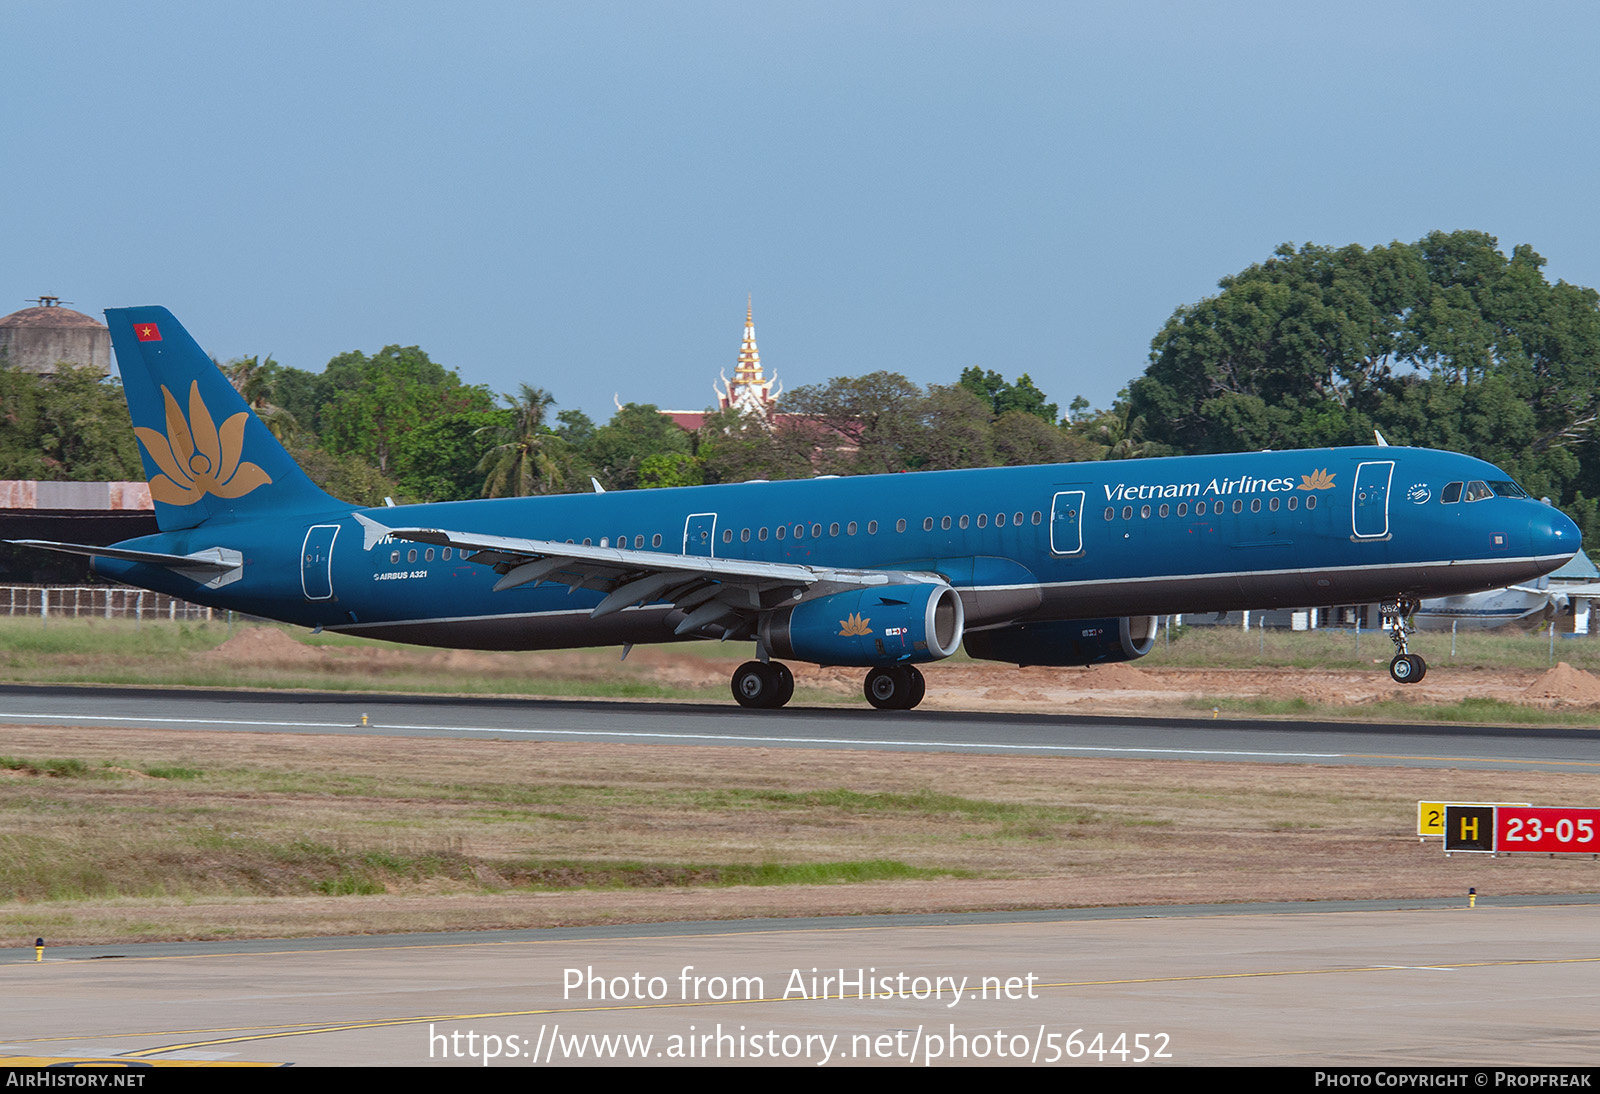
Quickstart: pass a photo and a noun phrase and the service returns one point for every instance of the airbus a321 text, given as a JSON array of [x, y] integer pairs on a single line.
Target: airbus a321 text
[[1069, 564]]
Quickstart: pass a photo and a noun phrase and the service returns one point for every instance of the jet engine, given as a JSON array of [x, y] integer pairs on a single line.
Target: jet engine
[[885, 625], [1066, 642]]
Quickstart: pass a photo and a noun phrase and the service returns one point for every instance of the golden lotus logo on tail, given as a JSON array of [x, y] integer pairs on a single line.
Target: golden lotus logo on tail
[[1317, 480], [853, 626], [196, 458]]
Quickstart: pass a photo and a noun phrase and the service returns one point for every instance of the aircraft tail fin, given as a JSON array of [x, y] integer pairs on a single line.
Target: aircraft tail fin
[[205, 453]]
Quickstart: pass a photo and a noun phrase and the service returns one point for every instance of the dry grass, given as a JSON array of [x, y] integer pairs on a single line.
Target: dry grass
[[188, 835]]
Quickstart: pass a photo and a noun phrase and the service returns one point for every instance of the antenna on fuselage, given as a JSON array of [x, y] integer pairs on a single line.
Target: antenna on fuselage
[[1381, 442]]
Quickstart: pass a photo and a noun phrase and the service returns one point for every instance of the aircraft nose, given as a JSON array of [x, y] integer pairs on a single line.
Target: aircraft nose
[[1552, 532]]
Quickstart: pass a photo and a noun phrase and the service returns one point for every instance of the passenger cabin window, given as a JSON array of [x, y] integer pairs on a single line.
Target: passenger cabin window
[[1451, 493]]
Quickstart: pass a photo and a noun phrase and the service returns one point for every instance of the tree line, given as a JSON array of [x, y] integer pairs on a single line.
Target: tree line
[[1446, 343]]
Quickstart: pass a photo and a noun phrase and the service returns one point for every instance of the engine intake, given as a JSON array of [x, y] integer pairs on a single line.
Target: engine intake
[[888, 625]]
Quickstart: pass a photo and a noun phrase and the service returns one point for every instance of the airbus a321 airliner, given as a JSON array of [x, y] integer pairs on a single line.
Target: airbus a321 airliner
[[1068, 564]]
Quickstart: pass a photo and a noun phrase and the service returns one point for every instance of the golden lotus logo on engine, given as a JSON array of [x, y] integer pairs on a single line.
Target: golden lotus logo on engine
[[196, 458], [853, 626]]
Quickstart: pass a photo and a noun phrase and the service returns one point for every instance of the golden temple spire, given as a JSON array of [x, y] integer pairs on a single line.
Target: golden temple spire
[[749, 390]]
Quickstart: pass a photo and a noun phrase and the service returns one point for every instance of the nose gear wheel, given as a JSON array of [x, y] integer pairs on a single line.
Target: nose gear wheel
[[1407, 667]]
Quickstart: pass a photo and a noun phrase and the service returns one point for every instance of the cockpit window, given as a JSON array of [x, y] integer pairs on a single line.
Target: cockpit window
[[1450, 494], [1507, 489], [1478, 490]]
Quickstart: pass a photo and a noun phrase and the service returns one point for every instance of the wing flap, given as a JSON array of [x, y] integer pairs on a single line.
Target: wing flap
[[715, 593]]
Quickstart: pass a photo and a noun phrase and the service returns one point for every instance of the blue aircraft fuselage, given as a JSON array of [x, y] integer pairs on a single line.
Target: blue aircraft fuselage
[[1069, 541]]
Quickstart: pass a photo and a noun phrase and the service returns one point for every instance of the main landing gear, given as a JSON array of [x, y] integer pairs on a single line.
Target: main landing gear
[[763, 685], [1407, 667], [897, 687], [768, 685]]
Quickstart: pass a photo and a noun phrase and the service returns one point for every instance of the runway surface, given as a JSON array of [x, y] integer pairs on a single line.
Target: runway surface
[[1555, 749], [1429, 985]]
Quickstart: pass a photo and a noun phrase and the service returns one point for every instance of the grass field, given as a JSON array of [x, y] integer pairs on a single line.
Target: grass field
[[138, 834], [130, 834]]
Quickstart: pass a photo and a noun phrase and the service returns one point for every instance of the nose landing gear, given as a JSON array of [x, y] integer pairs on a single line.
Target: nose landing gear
[[1407, 667]]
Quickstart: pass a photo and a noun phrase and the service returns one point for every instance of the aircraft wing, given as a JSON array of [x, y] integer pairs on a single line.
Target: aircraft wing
[[715, 592]]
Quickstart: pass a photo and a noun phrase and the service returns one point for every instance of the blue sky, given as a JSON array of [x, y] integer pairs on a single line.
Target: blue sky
[[580, 196]]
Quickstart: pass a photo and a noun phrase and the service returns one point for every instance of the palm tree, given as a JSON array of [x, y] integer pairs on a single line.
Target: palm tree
[[253, 378], [529, 459]]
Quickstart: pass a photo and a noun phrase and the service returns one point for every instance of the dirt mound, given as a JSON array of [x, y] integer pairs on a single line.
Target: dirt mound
[[1566, 684], [263, 645], [1117, 677]]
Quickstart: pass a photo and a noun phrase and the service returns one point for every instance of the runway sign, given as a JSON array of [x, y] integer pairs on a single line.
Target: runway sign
[[1430, 815], [1560, 831], [1469, 828]]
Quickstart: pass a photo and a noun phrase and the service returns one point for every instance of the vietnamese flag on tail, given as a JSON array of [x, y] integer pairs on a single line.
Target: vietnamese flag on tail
[[147, 332]]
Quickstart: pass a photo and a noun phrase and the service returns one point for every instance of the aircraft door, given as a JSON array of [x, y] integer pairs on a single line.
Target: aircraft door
[[1370, 504], [316, 561], [700, 534], [1066, 523]]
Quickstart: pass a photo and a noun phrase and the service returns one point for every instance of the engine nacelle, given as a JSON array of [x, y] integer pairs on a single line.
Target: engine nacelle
[[886, 625], [1066, 642]]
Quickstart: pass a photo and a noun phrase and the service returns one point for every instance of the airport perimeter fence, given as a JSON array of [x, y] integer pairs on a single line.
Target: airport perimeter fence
[[97, 602]]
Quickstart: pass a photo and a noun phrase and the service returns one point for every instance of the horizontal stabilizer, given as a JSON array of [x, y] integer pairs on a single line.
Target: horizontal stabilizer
[[213, 566]]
